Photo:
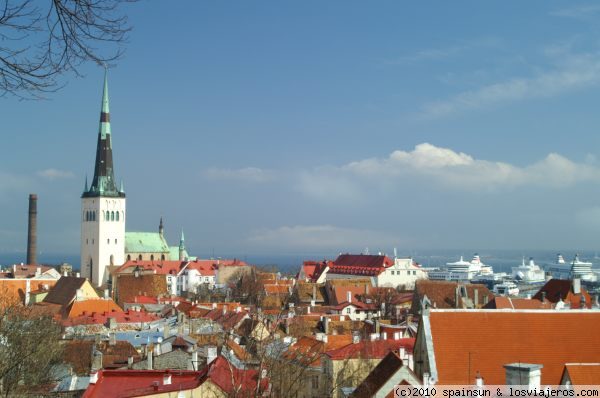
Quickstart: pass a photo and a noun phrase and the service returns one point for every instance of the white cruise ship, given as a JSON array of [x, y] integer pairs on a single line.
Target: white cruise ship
[[528, 273], [574, 269], [462, 270]]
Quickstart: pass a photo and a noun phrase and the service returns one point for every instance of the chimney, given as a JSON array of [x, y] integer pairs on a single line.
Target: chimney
[[543, 296], [577, 286], [314, 293], [366, 289], [78, 275], [38, 271], [326, 325], [349, 296], [475, 298], [32, 231], [211, 354], [402, 353], [396, 335], [112, 338], [478, 380], [193, 361], [524, 374], [130, 362], [94, 377], [150, 360], [355, 338], [308, 310], [377, 326], [106, 296], [238, 309], [79, 295], [485, 299], [166, 379], [456, 294], [384, 336]]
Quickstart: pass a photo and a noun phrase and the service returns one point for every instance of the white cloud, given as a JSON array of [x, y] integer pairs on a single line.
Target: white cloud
[[430, 54], [53, 174], [449, 169], [571, 73], [323, 237], [248, 174]]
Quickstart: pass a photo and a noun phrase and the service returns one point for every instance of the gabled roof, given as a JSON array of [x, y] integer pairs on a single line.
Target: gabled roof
[[469, 341], [581, 374], [441, 294], [128, 286], [165, 267], [378, 376], [65, 290], [27, 270], [145, 242], [562, 289], [370, 349], [234, 381], [305, 292], [88, 307]]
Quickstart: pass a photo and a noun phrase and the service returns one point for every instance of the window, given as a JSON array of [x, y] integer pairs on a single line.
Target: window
[[112, 216], [87, 242], [94, 215], [152, 257], [117, 216], [129, 257], [162, 257], [392, 272], [115, 241], [314, 381], [140, 257], [107, 216], [108, 241], [348, 310]]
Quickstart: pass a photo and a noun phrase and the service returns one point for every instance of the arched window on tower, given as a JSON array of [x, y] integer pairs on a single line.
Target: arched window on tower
[[87, 216], [94, 215], [129, 257], [107, 216], [162, 257], [117, 216], [112, 216], [140, 257], [152, 257]]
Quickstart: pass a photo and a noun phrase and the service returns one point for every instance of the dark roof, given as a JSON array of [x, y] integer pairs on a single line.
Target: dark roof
[[362, 260], [65, 290], [378, 376], [562, 289]]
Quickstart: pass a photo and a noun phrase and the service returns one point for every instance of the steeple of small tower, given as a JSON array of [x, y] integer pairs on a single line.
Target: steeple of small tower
[[161, 227], [104, 183], [182, 247]]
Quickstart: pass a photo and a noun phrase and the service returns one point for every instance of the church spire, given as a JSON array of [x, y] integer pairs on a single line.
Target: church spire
[[104, 183]]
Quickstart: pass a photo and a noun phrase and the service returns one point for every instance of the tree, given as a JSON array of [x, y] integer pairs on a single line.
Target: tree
[[40, 40], [29, 348]]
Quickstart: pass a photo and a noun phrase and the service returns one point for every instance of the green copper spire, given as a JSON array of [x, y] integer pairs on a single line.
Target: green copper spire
[[104, 183], [85, 188], [181, 241]]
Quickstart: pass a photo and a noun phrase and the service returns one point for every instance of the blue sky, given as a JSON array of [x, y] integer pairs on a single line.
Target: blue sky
[[305, 127]]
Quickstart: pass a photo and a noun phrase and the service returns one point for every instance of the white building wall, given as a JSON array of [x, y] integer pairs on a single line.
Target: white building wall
[[102, 240], [403, 272]]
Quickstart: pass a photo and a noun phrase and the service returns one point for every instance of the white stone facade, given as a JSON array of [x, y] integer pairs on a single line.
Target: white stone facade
[[102, 236]]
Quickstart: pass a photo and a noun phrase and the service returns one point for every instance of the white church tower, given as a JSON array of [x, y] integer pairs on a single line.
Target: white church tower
[[103, 210]]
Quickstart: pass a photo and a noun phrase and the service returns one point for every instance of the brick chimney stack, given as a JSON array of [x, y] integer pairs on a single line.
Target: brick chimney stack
[[32, 230]]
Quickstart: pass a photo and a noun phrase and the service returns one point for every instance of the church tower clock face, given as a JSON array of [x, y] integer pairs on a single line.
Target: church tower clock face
[[103, 211]]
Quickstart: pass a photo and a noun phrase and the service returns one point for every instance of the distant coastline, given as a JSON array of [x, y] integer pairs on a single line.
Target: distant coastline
[[501, 260]]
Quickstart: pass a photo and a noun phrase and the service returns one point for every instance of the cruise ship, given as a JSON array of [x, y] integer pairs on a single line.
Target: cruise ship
[[528, 273], [462, 270], [575, 269]]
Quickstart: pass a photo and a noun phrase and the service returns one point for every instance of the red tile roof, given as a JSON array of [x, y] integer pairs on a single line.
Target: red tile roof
[[79, 308], [313, 269], [234, 381], [360, 264], [97, 318], [502, 302], [158, 267], [135, 383], [276, 289], [582, 374], [371, 349], [494, 338]]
